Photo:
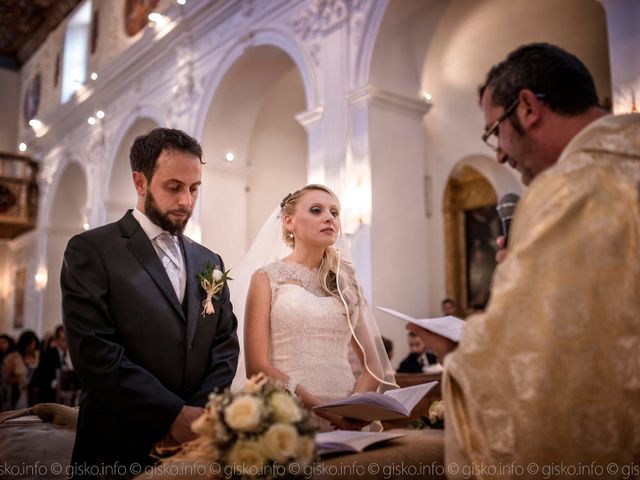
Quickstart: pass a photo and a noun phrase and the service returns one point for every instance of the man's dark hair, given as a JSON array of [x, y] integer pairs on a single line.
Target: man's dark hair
[[560, 76], [448, 300], [147, 148]]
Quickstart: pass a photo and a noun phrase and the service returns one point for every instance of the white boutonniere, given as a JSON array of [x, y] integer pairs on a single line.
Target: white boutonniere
[[212, 281]]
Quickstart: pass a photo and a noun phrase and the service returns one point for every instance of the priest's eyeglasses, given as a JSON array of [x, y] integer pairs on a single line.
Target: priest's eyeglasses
[[491, 134]]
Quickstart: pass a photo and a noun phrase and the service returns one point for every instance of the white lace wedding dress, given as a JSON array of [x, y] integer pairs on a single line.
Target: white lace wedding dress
[[310, 335]]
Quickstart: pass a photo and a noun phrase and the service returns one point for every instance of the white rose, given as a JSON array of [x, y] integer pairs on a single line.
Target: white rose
[[306, 450], [216, 275], [281, 442], [436, 411], [284, 408], [247, 458], [244, 413]]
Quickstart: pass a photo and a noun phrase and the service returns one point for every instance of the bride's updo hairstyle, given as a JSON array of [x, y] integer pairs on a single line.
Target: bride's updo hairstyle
[[329, 265]]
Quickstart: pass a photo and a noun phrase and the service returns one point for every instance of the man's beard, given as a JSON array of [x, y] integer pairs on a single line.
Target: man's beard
[[154, 214]]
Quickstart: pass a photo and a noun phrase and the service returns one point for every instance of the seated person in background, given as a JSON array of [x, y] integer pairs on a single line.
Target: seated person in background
[[418, 358], [7, 345], [19, 367], [449, 307], [54, 359]]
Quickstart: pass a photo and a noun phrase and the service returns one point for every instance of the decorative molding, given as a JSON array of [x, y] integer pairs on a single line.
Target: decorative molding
[[389, 100], [185, 89], [321, 17], [308, 118]]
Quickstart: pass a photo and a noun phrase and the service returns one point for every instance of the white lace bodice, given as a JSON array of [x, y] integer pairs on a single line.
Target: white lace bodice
[[309, 331]]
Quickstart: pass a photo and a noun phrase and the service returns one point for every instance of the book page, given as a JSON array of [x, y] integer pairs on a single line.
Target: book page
[[370, 406], [449, 327], [409, 397], [351, 441]]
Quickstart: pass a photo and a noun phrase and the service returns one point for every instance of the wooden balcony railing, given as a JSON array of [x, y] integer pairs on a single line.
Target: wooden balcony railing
[[18, 194]]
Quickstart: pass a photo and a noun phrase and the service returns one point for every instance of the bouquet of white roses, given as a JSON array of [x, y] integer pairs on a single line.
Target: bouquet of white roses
[[259, 432]]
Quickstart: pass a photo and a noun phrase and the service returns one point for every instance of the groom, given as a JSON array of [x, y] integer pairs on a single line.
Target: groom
[[132, 310]]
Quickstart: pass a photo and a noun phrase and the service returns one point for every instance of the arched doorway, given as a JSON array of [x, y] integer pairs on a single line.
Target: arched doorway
[[251, 117], [445, 49], [67, 219]]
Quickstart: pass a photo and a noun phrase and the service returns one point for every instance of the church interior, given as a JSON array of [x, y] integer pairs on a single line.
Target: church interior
[[376, 99]]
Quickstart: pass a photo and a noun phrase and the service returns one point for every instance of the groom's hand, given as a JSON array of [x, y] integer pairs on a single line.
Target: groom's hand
[[180, 429]]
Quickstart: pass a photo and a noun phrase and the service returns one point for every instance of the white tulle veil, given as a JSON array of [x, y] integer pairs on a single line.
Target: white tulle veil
[[268, 247]]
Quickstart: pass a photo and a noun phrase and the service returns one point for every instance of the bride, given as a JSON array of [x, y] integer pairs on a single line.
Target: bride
[[304, 311]]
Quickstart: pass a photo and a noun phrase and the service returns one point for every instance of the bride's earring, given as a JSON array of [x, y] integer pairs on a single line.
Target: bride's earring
[[291, 235]]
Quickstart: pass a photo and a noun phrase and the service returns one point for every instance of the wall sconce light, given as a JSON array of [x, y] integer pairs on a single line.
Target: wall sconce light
[[41, 279]]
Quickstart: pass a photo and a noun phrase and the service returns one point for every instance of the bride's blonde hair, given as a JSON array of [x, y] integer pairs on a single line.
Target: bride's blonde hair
[[330, 257]]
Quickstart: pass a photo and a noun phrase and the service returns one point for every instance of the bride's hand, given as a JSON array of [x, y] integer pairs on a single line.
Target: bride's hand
[[343, 423]]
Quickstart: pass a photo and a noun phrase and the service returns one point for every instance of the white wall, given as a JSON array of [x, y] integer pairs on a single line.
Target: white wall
[[278, 151], [9, 86], [66, 220]]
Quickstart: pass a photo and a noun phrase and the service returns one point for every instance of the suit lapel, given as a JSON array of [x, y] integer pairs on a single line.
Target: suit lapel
[[140, 246], [194, 290]]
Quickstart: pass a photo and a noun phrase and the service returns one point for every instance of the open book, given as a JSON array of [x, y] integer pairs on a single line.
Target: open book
[[449, 327], [371, 406], [350, 441]]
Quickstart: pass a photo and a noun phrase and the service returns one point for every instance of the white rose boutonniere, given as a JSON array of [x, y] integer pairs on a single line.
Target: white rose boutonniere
[[212, 281]]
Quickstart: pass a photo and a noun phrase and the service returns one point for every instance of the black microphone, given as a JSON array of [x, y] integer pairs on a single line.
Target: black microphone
[[505, 208]]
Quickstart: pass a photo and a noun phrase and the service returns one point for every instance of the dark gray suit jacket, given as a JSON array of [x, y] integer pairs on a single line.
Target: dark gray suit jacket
[[140, 354]]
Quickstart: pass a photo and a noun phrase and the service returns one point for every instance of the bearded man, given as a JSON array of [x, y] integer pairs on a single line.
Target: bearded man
[[146, 352]]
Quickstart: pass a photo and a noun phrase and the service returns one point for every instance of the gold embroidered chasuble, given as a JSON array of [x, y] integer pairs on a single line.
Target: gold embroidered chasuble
[[550, 373]]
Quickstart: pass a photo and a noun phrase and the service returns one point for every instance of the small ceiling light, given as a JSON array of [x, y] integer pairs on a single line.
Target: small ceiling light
[[229, 157], [86, 226], [154, 17], [181, 2], [426, 96], [100, 114], [93, 76], [35, 123], [22, 147], [91, 120]]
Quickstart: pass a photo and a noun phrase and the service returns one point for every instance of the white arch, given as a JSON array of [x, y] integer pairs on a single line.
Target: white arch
[[137, 113], [264, 37], [369, 37], [50, 196], [502, 179]]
